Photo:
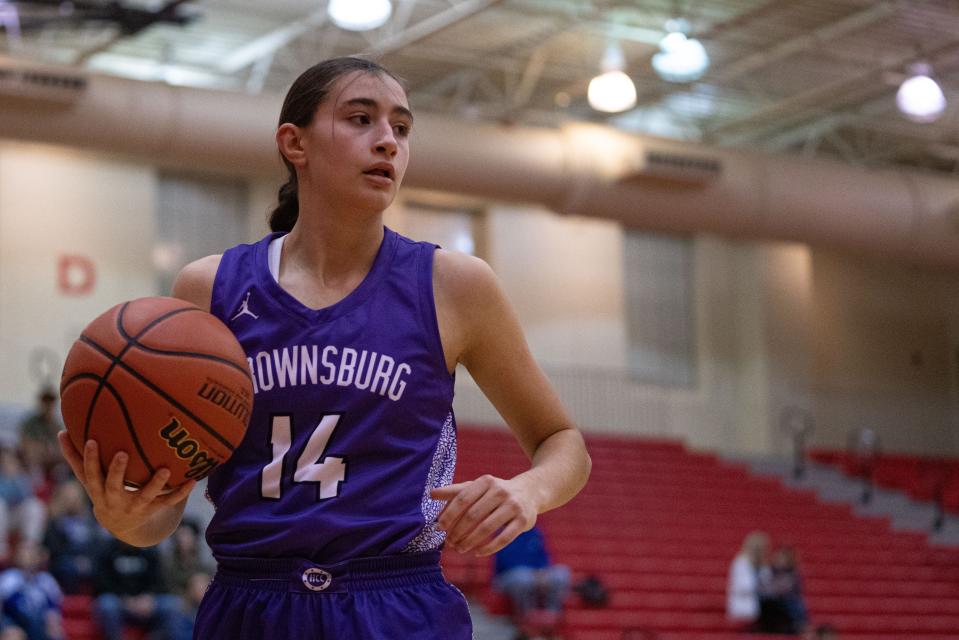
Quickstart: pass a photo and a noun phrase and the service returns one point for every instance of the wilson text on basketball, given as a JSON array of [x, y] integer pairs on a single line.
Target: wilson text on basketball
[[224, 398], [186, 448]]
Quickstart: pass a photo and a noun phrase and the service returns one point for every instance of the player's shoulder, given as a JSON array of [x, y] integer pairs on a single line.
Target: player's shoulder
[[194, 283], [462, 278]]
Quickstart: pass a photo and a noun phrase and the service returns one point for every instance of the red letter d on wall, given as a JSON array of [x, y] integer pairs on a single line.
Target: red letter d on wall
[[76, 275]]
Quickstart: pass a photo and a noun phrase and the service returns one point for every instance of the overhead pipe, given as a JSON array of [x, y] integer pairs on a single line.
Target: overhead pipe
[[580, 169]]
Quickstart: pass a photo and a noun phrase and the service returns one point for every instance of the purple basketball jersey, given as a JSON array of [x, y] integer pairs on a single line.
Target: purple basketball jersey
[[352, 420]]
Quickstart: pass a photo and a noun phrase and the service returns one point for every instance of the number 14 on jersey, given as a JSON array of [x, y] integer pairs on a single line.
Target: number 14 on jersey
[[312, 466]]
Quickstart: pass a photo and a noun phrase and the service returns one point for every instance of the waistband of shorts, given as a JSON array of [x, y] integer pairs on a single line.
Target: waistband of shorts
[[305, 576]]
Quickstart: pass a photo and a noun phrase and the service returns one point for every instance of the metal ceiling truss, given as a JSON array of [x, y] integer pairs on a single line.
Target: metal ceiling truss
[[402, 34], [822, 99], [536, 49]]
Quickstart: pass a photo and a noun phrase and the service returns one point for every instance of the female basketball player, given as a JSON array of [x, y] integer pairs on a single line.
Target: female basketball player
[[329, 516]]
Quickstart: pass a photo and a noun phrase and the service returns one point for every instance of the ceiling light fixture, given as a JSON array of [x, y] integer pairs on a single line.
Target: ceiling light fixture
[[680, 58], [612, 90], [359, 15], [919, 97]]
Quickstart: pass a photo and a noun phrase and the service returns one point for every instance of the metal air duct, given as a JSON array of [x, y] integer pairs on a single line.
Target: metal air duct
[[582, 169]]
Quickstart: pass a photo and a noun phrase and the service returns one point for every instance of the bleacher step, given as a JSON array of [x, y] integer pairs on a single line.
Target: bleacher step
[[831, 485]]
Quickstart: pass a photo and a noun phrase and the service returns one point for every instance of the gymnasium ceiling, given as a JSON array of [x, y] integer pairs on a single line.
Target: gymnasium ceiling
[[811, 77]]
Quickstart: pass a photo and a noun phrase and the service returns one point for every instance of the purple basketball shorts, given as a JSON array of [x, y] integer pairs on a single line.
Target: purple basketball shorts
[[386, 598]]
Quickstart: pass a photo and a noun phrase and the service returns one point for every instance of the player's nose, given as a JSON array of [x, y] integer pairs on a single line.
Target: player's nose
[[386, 141]]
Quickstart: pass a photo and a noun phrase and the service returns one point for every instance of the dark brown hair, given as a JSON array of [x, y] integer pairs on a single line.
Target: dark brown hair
[[301, 102]]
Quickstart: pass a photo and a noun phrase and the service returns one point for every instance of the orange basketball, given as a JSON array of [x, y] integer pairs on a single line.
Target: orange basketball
[[162, 380]]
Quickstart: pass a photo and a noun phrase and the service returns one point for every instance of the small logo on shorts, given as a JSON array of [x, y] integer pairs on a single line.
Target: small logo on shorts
[[317, 579]]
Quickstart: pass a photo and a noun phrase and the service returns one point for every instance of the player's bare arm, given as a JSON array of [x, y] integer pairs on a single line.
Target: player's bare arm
[[480, 330], [194, 283]]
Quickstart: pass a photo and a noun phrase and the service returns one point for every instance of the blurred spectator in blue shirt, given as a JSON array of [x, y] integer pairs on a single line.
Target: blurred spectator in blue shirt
[[31, 598], [72, 537], [524, 572]]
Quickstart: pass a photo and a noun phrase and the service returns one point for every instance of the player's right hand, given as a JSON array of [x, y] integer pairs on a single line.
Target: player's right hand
[[120, 511]]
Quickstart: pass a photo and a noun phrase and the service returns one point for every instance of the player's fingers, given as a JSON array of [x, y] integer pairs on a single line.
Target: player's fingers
[[450, 496], [71, 455], [178, 495], [448, 492], [507, 535], [483, 531], [456, 507], [92, 471], [149, 492], [468, 521], [115, 473]]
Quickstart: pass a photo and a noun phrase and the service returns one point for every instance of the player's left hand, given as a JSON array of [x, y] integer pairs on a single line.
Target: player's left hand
[[486, 514]]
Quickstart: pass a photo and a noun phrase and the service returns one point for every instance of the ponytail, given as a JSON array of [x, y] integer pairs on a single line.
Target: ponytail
[[287, 210]]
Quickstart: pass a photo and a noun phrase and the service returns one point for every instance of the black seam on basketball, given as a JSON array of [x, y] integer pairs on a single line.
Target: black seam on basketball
[[123, 408], [134, 340], [93, 404], [152, 323], [200, 356], [160, 392], [103, 381]]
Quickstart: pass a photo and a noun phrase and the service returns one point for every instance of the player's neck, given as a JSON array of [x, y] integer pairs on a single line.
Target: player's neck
[[333, 248]]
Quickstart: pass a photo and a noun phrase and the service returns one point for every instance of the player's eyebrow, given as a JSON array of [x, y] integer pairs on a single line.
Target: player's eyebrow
[[373, 104]]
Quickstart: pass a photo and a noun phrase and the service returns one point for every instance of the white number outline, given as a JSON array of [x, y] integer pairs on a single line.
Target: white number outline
[[314, 464]]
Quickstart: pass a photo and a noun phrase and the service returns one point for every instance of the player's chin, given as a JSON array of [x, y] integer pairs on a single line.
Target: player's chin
[[378, 198]]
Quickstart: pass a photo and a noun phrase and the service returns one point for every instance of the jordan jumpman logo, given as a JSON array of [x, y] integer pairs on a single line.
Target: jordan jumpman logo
[[245, 308]]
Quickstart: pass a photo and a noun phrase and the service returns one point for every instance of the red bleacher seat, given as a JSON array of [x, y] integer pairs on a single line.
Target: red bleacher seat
[[660, 525], [921, 477]]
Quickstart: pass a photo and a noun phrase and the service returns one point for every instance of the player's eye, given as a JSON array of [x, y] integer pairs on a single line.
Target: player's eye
[[402, 130], [360, 118]]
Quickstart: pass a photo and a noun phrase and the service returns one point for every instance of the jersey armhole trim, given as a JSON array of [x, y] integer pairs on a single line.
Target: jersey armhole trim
[[427, 259], [216, 301]]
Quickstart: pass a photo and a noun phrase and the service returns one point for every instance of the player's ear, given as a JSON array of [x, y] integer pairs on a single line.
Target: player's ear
[[289, 140]]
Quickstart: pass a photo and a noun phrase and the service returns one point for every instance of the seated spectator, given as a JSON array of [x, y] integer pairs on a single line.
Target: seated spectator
[[71, 537], [535, 586], [10, 631], [821, 632], [38, 436], [31, 598], [826, 632], [742, 591], [130, 590], [782, 608], [188, 573], [20, 510], [195, 590]]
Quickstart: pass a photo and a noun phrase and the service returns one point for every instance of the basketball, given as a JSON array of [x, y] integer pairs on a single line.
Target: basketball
[[162, 380]]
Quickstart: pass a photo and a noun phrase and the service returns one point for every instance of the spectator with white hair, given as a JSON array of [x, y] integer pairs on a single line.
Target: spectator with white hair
[[742, 594]]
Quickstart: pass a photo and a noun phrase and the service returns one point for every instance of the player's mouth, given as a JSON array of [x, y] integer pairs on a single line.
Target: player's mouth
[[381, 172]]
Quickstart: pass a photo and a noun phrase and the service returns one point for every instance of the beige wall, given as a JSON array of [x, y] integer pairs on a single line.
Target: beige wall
[[56, 202], [564, 276], [885, 354]]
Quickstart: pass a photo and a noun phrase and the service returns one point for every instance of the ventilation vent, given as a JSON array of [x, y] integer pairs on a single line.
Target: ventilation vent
[[668, 165], [40, 84]]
